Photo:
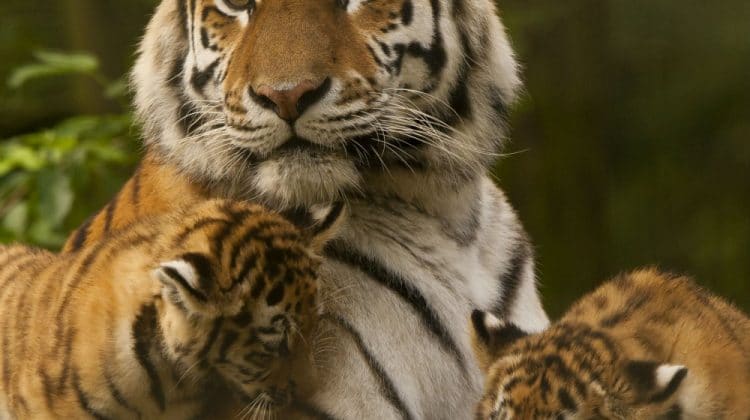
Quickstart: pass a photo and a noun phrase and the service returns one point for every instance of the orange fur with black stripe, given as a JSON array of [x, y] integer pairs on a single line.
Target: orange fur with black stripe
[[147, 323], [644, 346], [155, 189]]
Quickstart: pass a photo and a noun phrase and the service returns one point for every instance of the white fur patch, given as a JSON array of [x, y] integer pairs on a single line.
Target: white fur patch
[[491, 322], [185, 269], [665, 374]]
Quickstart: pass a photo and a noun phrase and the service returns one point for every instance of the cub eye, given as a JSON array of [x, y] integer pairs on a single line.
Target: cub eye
[[241, 4]]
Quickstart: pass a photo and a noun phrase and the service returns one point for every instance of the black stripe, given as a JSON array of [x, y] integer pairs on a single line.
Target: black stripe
[[136, 193], [24, 310], [311, 411], [671, 387], [82, 233], [344, 253], [203, 268], [83, 399], [387, 387], [566, 400], [229, 338], [632, 306], [111, 207], [200, 78], [253, 232], [145, 337], [330, 219], [407, 12], [459, 98], [6, 344], [674, 413], [218, 241], [177, 277], [117, 394], [511, 279], [199, 224], [211, 339]]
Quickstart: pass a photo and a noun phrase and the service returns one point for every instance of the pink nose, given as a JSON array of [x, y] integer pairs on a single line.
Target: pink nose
[[291, 103]]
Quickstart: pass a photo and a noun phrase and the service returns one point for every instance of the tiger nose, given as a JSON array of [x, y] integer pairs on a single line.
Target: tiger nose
[[289, 104]]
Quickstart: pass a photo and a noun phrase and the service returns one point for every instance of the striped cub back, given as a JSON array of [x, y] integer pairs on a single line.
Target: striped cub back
[[644, 346], [149, 322]]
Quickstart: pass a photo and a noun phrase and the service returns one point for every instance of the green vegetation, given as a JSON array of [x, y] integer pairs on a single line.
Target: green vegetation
[[630, 146], [52, 179]]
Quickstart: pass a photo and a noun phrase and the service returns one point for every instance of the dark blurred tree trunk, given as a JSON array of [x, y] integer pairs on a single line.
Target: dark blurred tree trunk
[[84, 29]]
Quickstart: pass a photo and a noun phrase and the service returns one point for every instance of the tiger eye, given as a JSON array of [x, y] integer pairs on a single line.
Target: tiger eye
[[241, 4]]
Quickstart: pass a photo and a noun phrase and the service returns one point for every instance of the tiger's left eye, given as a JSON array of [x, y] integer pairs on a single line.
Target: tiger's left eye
[[241, 4]]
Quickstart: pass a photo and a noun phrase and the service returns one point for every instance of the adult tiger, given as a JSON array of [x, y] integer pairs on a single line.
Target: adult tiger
[[396, 106]]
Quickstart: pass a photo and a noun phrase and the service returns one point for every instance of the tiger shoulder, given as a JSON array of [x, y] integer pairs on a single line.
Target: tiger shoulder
[[149, 322], [646, 345]]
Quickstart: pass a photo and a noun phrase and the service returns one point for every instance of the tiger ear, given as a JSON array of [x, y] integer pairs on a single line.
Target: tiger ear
[[319, 224], [491, 337], [654, 382], [186, 281]]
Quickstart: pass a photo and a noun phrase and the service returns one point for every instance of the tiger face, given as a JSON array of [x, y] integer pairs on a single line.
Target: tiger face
[[567, 372], [239, 299], [299, 100]]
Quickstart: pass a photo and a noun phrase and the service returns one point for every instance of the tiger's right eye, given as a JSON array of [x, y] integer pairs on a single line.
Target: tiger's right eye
[[241, 4]]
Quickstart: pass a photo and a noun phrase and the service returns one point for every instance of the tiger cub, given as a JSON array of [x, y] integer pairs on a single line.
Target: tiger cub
[[147, 323], [646, 345]]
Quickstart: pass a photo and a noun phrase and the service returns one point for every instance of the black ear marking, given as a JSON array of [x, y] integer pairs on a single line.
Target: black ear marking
[[202, 266], [319, 224], [178, 282], [495, 332], [330, 219], [477, 320], [189, 276], [654, 381]]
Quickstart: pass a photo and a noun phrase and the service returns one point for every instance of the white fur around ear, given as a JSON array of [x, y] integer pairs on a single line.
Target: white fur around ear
[[328, 220], [665, 374], [180, 267], [491, 322]]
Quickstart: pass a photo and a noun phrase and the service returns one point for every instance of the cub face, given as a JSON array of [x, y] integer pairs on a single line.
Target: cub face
[[566, 372], [240, 299]]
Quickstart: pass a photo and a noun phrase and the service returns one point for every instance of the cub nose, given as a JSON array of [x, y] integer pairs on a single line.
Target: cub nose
[[289, 104]]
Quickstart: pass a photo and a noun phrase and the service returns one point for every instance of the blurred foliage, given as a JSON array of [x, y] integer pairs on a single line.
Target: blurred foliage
[[630, 146], [51, 179]]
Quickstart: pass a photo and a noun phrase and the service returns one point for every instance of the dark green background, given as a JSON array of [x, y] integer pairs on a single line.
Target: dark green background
[[631, 145]]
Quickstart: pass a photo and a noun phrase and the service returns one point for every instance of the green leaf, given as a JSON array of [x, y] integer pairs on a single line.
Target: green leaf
[[81, 61], [43, 233], [55, 196], [117, 89], [53, 64], [20, 157], [16, 220]]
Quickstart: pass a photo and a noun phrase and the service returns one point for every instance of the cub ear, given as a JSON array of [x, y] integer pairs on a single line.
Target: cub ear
[[186, 280], [320, 224], [491, 336], [655, 382]]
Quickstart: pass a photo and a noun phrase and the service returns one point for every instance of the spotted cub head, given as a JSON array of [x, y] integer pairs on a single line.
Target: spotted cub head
[[567, 372], [240, 296]]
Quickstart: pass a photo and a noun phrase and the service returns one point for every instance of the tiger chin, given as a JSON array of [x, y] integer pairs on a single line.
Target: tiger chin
[[646, 345], [152, 321]]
